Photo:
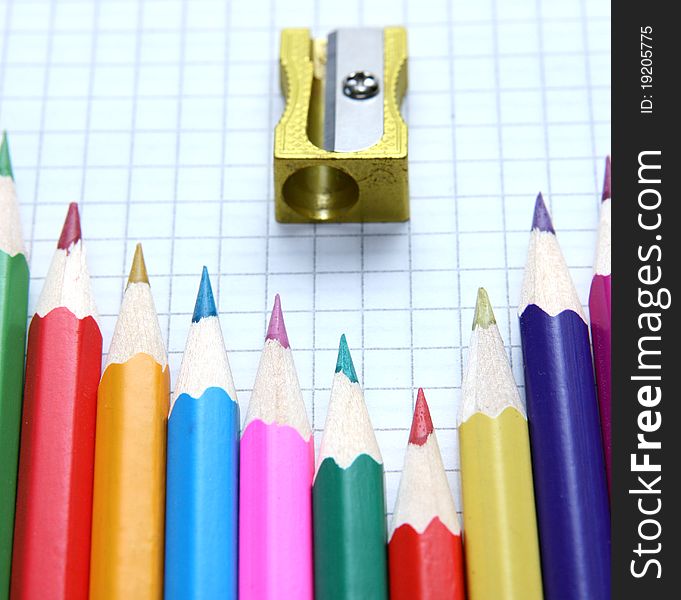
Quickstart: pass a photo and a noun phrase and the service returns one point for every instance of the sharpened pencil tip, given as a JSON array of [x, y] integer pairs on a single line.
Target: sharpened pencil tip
[[5, 160], [344, 363], [421, 424], [138, 270], [607, 183], [205, 302], [276, 330], [70, 233], [484, 315], [542, 219]]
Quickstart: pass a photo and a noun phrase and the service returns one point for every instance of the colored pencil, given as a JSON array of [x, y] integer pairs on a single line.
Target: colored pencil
[[13, 311], [600, 313], [501, 544], [348, 497], [425, 554], [277, 465], [565, 438], [203, 465], [54, 495], [130, 452]]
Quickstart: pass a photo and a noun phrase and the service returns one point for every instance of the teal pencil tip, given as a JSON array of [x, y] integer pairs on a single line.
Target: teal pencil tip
[[344, 362], [205, 302], [5, 160]]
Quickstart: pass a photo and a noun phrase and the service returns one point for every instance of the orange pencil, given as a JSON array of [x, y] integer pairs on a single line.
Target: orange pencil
[[130, 453]]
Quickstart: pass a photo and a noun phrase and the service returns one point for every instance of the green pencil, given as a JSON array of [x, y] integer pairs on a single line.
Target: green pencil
[[348, 497], [13, 316]]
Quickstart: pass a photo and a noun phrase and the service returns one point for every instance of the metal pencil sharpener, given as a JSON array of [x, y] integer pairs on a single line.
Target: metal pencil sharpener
[[340, 147]]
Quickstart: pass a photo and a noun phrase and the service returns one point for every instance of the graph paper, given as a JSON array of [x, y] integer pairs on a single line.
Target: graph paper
[[158, 117]]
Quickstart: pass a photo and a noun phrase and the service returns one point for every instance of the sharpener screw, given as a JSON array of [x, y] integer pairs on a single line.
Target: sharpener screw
[[360, 85]]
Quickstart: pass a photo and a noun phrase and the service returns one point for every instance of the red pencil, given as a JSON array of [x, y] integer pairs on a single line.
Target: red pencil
[[426, 557], [54, 497]]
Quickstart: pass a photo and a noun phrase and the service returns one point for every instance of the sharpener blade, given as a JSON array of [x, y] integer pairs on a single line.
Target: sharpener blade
[[353, 123]]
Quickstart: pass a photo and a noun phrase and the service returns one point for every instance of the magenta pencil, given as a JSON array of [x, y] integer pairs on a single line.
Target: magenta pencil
[[276, 470], [600, 313]]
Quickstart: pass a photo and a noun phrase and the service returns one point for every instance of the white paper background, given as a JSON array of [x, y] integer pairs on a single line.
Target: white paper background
[[157, 117]]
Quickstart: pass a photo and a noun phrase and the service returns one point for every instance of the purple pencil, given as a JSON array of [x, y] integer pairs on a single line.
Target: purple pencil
[[600, 313], [567, 453]]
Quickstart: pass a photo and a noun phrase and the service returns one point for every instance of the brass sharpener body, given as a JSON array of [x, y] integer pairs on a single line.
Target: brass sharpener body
[[316, 185]]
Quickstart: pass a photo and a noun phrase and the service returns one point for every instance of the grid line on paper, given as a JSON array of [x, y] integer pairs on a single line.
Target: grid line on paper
[[313, 400], [91, 79], [169, 141], [173, 221], [256, 62], [267, 29], [420, 92], [405, 8], [501, 169], [455, 153], [542, 73], [218, 280], [592, 119], [29, 243], [272, 8], [3, 48], [133, 113]]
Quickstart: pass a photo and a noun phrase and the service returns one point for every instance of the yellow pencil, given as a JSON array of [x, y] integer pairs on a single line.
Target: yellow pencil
[[130, 453], [500, 525]]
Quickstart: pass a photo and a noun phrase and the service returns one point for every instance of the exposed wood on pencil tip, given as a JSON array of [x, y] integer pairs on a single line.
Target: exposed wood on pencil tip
[[138, 270], [344, 363], [70, 233], [205, 302], [541, 219], [607, 183], [5, 160], [276, 330], [421, 424], [484, 315]]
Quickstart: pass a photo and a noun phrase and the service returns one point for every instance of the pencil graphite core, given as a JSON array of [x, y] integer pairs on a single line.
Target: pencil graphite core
[[422, 424], [5, 158], [276, 330], [138, 270], [70, 234]]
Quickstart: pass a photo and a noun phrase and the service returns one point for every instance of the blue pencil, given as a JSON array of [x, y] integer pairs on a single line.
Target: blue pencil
[[567, 453], [203, 457]]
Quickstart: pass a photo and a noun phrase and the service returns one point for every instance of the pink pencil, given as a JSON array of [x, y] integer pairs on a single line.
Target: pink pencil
[[277, 466], [599, 309]]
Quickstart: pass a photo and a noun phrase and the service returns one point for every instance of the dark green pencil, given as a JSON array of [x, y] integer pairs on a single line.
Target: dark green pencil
[[348, 497]]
